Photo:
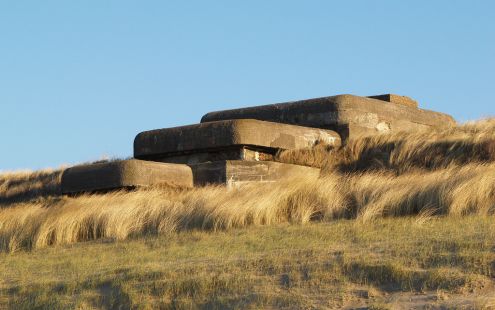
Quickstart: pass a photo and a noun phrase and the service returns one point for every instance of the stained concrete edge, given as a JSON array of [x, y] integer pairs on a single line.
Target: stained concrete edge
[[327, 112], [223, 134], [123, 174]]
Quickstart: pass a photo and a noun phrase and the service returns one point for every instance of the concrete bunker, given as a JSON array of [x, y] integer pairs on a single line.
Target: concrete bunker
[[237, 147]]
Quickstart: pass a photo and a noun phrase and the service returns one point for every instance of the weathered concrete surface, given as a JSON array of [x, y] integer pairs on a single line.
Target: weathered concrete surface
[[123, 174], [397, 99], [230, 153], [222, 136], [235, 173], [351, 116]]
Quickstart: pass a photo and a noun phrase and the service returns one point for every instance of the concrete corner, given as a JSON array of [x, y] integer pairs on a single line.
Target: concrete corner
[[124, 174], [397, 99]]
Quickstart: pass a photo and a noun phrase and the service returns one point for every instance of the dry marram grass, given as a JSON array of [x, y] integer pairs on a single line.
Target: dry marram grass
[[405, 151], [440, 173]]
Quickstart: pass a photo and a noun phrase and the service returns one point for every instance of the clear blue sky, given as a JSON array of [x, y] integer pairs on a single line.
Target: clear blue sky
[[78, 79]]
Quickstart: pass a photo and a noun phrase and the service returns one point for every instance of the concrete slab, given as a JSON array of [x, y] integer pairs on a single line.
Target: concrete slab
[[124, 174], [229, 139], [397, 99], [234, 173], [228, 153], [351, 116]]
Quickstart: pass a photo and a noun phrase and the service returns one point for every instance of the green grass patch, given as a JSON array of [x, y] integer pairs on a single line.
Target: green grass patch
[[324, 265]]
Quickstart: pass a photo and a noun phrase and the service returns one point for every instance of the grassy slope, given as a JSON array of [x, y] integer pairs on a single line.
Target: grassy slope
[[385, 263], [209, 248]]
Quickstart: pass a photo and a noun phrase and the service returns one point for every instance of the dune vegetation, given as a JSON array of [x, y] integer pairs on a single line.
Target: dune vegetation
[[424, 173], [394, 263], [391, 215]]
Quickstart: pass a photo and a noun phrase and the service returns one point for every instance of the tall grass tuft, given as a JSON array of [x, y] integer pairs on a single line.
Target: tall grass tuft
[[24, 185], [405, 151], [120, 215]]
